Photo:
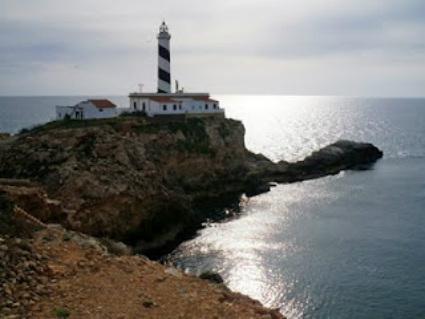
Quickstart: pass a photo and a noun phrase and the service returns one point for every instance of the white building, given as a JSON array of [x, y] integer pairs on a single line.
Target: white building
[[161, 103], [196, 104], [90, 109], [166, 103]]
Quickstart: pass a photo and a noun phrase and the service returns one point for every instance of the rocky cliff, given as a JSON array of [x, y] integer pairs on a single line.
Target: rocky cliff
[[149, 181]]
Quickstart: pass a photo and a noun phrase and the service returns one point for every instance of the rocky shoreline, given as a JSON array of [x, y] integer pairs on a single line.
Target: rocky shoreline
[[146, 183]]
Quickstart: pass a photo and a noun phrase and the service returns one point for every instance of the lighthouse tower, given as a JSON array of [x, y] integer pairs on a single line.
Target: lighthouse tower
[[164, 75]]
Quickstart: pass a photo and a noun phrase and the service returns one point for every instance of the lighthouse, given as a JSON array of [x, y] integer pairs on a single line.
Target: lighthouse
[[164, 74], [175, 105]]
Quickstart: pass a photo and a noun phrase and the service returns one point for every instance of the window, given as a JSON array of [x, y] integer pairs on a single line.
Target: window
[[100, 110], [180, 106], [164, 107], [215, 105], [134, 105], [143, 106], [174, 107], [206, 106]]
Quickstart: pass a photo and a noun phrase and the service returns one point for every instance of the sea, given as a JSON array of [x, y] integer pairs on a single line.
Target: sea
[[345, 246]]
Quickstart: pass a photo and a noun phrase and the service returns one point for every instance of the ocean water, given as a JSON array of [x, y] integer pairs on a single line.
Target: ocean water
[[344, 246], [21, 112]]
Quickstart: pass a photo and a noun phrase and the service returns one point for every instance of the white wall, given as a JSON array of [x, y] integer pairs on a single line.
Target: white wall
[[153, 107], [140, 104], [188, 105], [85, 110], [158, 108], [90, 111], [198, 106]]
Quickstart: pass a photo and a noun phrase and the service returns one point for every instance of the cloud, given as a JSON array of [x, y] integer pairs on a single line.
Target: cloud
[[232, 46]]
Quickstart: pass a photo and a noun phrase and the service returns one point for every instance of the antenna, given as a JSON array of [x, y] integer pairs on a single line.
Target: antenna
[[177, 86], [141, 85]]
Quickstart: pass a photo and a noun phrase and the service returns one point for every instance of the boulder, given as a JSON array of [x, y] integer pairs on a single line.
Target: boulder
[[211, 276]]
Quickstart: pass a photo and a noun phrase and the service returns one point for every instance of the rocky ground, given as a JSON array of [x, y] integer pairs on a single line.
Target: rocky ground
[[56, 273], [23, 277]]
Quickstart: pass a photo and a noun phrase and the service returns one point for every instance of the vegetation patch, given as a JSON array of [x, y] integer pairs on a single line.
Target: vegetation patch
[[7, 224], [86, 144], [133, 114], [196, 137], [74, 124], [224, 130], [61, 313]]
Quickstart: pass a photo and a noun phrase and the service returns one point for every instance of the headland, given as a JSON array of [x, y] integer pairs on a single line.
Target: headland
[[147, 182]]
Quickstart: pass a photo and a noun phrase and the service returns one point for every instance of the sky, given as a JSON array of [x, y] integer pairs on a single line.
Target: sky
[[303, 47]]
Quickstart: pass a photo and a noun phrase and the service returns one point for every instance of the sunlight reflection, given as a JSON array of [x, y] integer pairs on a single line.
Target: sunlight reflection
[[284, 248], [293, 126], [245, 250]]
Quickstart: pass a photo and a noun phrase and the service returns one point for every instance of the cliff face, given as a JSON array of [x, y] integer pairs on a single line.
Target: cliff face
[[128, 178], [141, 180], [47, 271]]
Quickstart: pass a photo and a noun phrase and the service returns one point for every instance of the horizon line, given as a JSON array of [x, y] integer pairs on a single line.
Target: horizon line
[[224, 94]]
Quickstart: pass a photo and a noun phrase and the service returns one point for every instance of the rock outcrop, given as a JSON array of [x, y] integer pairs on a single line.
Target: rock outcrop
[[148, 182], [332, 159]]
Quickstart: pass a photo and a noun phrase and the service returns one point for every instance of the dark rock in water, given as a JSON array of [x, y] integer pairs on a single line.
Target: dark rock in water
[[258, 189], [211, 276], [346, 154], [335, 157], [332, 159]]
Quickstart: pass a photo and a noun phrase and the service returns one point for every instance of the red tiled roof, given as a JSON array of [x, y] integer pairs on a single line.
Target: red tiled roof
[[204, 98], [163, 99], [102, 104]]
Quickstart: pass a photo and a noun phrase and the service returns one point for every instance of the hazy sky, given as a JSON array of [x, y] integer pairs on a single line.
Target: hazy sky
[[315, 47]]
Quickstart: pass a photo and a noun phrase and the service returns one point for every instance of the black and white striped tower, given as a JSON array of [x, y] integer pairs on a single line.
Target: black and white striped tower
[[164, 75]]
